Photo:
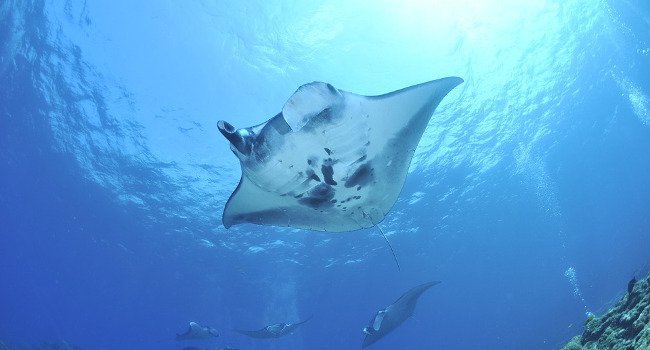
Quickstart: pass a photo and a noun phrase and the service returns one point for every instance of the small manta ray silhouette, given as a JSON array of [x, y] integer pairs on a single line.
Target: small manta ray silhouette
[[276, 330], [386, 320], [216, 348], [196, 331]]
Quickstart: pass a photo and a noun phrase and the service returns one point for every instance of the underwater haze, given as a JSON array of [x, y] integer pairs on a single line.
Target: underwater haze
[[528, 195]]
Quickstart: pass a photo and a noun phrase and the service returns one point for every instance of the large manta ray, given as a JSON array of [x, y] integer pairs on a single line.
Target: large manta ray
[[331, 160], [276, 330], [388, 319]]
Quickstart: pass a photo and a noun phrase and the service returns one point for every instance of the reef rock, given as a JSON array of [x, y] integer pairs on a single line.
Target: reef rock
[[624, 326]]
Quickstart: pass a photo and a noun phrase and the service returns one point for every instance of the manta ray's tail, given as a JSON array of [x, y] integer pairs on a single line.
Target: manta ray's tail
[[386, 238], [389, 246]]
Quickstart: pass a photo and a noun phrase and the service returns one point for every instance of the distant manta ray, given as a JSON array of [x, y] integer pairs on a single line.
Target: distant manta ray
[[276, 330], [331, 160], [386, 320], [196, 331], [215, 348]]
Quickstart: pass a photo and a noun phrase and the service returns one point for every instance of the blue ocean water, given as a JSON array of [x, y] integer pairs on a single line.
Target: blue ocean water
[[528, 196]]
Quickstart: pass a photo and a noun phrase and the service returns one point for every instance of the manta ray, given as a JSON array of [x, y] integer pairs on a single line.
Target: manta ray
[[388, 319], [216, 348], [196, 331], [331, 160], [276, 330]]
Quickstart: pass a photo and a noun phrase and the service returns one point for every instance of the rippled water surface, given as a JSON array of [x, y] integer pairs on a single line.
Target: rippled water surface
[[528, 196]]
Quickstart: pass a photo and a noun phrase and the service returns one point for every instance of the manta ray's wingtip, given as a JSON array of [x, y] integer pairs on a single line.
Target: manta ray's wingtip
[[226, 219], [227, 216], [440, 87], [454, 80]]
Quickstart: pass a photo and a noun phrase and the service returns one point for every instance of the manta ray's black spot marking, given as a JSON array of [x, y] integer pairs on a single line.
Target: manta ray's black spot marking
[[319, 197], [329, 151], [312, 175], [328, 173], [358, 188], [361, 176], [333, 201]]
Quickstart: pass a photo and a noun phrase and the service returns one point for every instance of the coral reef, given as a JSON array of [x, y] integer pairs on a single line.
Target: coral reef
[[624, 326]]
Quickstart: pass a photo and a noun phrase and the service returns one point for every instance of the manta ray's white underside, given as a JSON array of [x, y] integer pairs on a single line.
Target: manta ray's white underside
[[331, 160]]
